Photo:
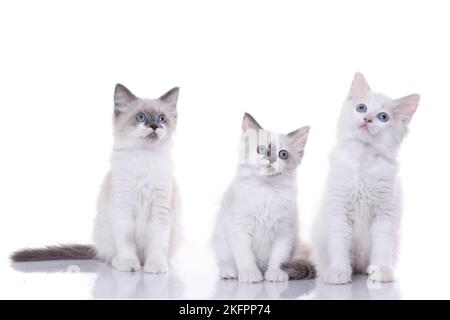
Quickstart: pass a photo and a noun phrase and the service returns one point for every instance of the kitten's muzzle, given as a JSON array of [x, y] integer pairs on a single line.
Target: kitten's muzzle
[[366, 122], [152, 123], [265, 163], [152, 135]]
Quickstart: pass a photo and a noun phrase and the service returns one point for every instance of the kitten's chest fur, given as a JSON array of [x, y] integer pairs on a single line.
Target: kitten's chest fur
[[363, 175], [269, 209], [271, 206], [146, 174], [269, 203]]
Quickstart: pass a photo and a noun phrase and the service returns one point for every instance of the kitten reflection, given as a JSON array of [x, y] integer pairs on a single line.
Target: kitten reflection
[[359, 289], [110, 283], [232, 289], [57, 266], [113, 284]]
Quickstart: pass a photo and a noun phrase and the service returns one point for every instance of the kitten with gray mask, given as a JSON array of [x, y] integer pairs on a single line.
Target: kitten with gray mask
[[257, 228], [137, 221]]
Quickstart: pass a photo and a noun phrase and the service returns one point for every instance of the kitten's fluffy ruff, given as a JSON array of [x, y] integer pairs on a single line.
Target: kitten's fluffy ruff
[[137, 221], [256, 228], [357, 228]]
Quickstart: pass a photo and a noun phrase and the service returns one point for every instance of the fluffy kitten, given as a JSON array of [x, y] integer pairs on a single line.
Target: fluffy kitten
[[357, 230], [137, 213], [257, 223]]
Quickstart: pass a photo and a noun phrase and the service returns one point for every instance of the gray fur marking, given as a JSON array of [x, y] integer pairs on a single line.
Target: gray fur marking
[[62, 252], [299, 269], [250, 119], [171, 96]]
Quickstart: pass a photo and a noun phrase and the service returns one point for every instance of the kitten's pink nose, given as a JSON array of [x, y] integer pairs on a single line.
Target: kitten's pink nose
[[367, 120]]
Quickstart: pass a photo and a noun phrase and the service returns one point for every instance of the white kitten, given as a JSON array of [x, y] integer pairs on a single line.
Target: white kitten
[[257, 223], [137, 219], [357, 228]]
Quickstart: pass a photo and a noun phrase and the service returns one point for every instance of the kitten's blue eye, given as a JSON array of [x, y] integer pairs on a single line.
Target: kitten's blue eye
[[261, 149], [141, 117], [383, 117], [162, 118], [283, 154], [361, 108]]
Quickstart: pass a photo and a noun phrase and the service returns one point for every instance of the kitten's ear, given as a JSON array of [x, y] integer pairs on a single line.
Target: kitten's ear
[[250, 123], [171, 97], [359, 87], [406, 107], [299, 137], [123, 99]]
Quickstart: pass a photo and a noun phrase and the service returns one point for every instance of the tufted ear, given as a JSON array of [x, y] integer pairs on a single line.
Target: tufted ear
[[171, 97], [250, 123], [299, 137], [406, 107], [123, 99], [359, 87]]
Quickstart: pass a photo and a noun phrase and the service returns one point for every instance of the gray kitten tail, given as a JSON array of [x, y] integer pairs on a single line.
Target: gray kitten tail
[[299, 269], [61, 252]]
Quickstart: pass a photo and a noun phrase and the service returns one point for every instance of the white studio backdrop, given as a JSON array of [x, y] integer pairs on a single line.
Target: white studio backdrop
[[288, 63]]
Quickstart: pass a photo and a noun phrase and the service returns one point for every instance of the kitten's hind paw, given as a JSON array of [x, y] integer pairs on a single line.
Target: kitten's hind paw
[[126, 265], [250, 275], [276, 275], [335, 276], [156, 267], [380, 274], [228, 273]]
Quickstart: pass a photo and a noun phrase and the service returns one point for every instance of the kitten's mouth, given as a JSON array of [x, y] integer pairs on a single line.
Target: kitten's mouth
[[268, 171], [152, 136], [364, 126]]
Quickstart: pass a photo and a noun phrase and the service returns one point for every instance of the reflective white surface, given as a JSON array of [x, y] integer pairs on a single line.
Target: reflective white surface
[[193, 275], [111, 284]]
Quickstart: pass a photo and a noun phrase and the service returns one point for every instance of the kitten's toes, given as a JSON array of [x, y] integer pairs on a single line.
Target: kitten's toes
[[380, 274], [228, 273], [154, 266], [276, 275], [336, 276], [250, 275], [126, 265]]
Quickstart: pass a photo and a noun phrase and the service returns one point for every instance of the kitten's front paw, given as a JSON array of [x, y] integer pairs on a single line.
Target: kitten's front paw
[[228, 272], [250, 275], [126, 265], [336, 276], [276, 275], [380, 274], [156, 266]]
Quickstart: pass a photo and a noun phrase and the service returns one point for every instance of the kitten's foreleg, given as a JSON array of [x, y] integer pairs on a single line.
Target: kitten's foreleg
[[158, 235], [123, 226], [339, 243], [382, 254], [281, 251], [225, 257], [245, 258]]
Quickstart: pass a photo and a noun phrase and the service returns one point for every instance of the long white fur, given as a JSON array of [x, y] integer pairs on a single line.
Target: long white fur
[[257, 227], [357, 228], [138, 218]]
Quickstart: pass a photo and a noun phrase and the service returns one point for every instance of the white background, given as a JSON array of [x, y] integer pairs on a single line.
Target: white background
[[289, 63]]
